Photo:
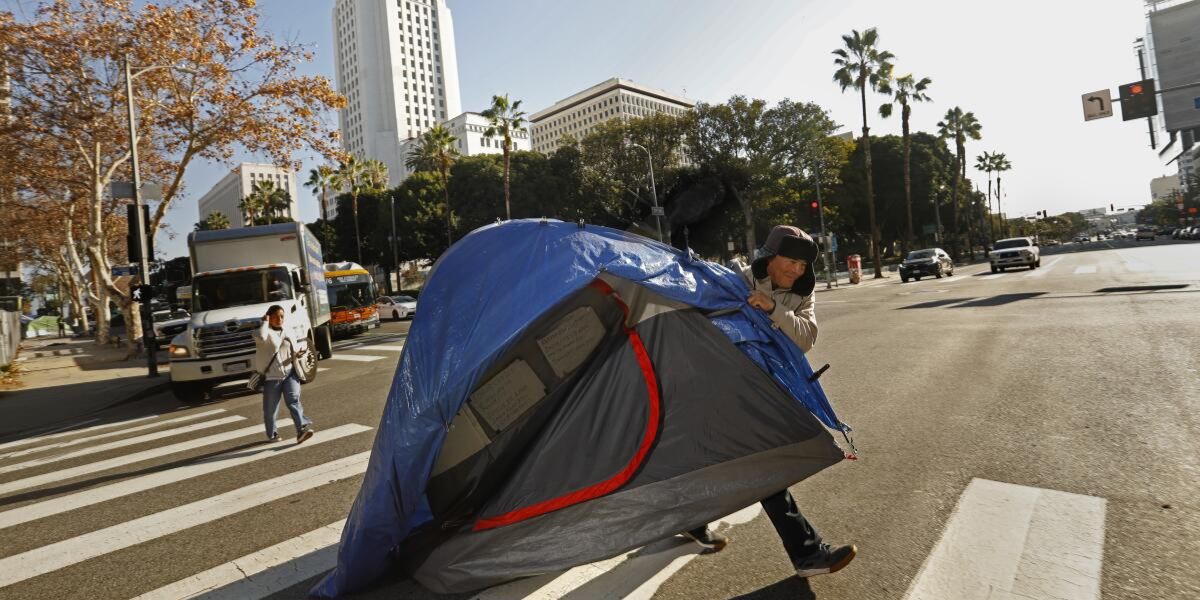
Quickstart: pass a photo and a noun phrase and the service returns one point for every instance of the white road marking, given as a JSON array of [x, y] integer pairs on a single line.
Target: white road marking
[[322, 369], [356, 357], [1045, 268], [1085, 270], [121, 461], [43, 438], [390, 347], [122, 443], [1013, 541], [46, 508], [47, 559], [261, 573], [993, 276], [101, 436]]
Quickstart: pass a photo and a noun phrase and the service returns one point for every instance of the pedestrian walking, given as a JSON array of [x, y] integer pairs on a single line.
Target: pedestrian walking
[[62, 327], [781, 285], [277, 350]]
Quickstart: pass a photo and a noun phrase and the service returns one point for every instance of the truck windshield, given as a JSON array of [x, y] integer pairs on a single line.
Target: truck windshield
[[240, 288]]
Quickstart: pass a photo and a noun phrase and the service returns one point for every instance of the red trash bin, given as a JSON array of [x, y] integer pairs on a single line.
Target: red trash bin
[[854, 265]]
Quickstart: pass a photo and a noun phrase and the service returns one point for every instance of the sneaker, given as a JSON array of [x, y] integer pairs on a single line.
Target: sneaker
[[707, 538], [273, 437], [305, 433], [827, 559]]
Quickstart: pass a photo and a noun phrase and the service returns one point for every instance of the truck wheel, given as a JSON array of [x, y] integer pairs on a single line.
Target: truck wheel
[[309, 363], [190, 392], [994, 269], [324, 342]]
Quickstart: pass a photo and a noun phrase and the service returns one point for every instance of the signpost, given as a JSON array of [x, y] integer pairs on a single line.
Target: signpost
[[1097, 105], [124, 270]]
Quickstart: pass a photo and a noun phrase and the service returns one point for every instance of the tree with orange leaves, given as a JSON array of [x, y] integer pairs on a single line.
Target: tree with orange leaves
[[207, 81]]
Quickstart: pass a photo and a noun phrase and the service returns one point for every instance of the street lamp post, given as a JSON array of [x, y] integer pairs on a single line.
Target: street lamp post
[[830, 260], [395, 256], [653, 191], [144, 263], [937, 211]]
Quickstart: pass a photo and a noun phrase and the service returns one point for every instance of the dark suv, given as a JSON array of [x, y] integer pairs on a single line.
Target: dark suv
[[922, 263]]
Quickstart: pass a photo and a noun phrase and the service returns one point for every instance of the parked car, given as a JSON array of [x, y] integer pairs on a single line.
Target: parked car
[[1082, 239], [1016, 252], [1144, 233], [922, 263], [396, 307], [169, 323]]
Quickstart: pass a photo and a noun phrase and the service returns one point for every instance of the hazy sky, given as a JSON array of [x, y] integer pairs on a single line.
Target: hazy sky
[[1019, 65]]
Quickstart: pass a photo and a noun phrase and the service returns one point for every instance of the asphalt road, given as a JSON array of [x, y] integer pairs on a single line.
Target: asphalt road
[[1075, 386]]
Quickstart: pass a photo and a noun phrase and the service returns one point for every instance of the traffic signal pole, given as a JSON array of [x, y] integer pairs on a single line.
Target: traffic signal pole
[[830, 258], [148, 340], [1149, 120]]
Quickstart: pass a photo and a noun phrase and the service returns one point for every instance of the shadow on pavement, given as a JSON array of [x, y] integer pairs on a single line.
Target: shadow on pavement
[[1000, 300], [792, 588], [56, 409], [936, 303]]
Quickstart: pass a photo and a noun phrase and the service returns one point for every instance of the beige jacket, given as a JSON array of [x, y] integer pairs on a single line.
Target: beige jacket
[[268, 343], [794, 314]]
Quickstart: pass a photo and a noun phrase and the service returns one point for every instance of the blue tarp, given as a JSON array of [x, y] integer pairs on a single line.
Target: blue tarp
[[481, 296]]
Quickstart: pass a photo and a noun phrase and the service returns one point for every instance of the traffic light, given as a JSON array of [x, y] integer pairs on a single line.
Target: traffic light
[[814, 211], [1111, 208], [1137, 100], [131, 245]]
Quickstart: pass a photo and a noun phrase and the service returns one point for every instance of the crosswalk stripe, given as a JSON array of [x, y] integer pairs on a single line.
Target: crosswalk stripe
[[262, 573], [357, 357], [1042, 270], [43, 438], [389, 347], [120, 461], [1085, 270], [46, 508], [47, 559], [1013, 541], [121, 443], [84, 440]]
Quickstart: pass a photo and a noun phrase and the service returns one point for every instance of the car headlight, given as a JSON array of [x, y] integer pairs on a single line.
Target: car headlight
[[178, 351]]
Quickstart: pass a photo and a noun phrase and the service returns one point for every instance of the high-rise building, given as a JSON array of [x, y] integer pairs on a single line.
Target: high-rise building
[[398, 69], [226, 196], [469, 130], [1165, 187], [577, 115]]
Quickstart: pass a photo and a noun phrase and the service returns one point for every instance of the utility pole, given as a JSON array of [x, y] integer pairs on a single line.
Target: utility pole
[[1142, 69], [148, 340], [830, 259], [395, 255], [653, 192]]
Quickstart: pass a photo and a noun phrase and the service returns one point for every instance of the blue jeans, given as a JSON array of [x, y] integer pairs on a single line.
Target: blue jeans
[[289, 388]]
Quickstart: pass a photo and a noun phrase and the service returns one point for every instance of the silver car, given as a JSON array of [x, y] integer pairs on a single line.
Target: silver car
[[1015, 252]]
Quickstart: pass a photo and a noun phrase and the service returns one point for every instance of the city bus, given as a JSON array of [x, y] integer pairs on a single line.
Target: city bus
[[351, 298]]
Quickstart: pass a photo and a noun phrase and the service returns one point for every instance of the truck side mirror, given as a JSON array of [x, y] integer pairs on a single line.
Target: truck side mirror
[[306, 288]]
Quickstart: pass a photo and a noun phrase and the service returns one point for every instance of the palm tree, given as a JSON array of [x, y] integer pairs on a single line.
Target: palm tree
[[266, 203], [350, 177], [1000, 164], [319, 180], [906, 91], [214, 220], [984, 162], [505, 118], [375, 175], [437, 150], [958, 125], [861, 66]]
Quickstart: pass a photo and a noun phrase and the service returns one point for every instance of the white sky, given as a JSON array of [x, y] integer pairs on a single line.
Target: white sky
[[1019, 65]]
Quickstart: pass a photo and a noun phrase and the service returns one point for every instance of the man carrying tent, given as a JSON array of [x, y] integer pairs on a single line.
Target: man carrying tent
[[782, 285]]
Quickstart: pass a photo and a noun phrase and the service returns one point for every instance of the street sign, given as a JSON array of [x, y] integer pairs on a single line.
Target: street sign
[[658, 211], [124, 271], [124, 190], [833, 246], [1097, 105]]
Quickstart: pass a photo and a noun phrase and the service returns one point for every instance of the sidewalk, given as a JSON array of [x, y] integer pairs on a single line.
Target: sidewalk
[[65, 379]]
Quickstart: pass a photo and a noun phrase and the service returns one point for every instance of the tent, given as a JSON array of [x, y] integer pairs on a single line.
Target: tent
[[568, 393]]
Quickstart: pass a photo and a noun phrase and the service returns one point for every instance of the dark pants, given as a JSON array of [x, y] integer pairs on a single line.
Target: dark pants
[[797, 534]]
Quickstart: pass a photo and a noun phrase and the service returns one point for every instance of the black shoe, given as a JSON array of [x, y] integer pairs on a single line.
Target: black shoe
[[827, 559], [305, 433], [707, 538]]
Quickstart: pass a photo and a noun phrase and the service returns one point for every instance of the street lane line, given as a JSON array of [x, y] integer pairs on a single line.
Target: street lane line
[[1042, 270], [121, 461], [1085, 270], [43, 438], [62, 504], [101, 436], [47, 559], [390, 347], [262, 573], [121, 443], [356, 357], [1013, 541], [993, 276]]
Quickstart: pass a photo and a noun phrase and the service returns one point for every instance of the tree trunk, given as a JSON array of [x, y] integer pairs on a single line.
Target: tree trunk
[[748, 219], [357, 239], [870, 186], [962, 164], [1000, 209], [507, 200], [905, 112], [991, 215], [954, 249], [446, 197]]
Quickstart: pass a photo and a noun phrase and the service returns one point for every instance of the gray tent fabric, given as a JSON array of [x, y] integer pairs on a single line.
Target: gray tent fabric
[[726, 436]]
